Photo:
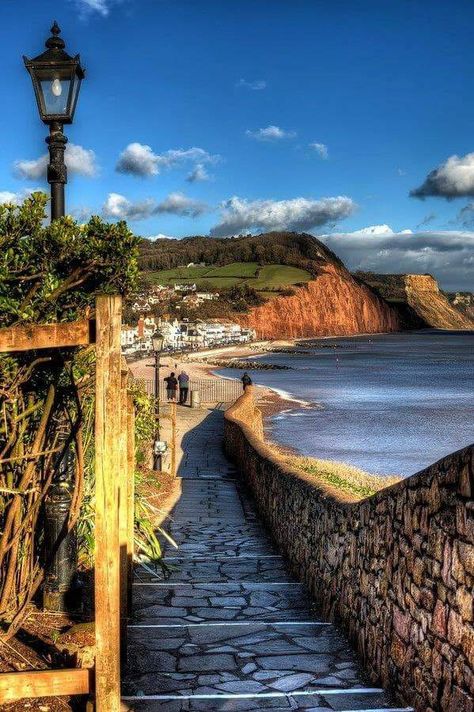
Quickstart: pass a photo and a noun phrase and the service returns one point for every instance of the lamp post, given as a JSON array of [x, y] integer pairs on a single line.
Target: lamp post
[[56, 78], [157, 341]]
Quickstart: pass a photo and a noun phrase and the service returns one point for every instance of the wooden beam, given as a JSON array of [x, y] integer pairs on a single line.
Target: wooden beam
[[16, 686], [108, 428], [131, 493], [123, 513], [26, 337]]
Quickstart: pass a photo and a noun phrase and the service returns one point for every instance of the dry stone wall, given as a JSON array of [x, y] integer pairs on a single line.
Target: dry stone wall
[[396, 569]]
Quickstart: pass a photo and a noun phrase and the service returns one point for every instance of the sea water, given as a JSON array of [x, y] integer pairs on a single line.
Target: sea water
[[389, 403]]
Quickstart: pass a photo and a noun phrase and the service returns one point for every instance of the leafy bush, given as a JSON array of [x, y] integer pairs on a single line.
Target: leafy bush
[[48, 273]]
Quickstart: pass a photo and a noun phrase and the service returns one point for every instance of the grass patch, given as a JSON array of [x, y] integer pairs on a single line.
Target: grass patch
[[277, 276], [343, 477], [268, 279], [238, 270]]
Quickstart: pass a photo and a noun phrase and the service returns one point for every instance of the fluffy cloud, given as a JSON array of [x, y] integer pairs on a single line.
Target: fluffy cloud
[[452, 179], [7, 196], [448, 256], [119, 207], [256, 85], [139, 159], [270, 133], [79, 160], [239, 215], [198, 174], [321, 149]]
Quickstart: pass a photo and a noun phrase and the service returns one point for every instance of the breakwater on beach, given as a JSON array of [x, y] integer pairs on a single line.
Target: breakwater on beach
[[388, 403]]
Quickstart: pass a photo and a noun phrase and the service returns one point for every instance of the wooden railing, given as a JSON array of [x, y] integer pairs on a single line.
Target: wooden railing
[[114, 514]]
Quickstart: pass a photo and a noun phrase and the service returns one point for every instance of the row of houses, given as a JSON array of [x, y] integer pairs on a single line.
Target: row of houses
[[184, 335], [158, 294]]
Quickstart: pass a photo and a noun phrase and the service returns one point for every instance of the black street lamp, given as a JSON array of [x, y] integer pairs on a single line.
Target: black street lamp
[[56, 78], [157, 341]]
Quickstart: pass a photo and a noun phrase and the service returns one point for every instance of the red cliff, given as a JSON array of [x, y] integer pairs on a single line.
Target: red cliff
[[334, 303]]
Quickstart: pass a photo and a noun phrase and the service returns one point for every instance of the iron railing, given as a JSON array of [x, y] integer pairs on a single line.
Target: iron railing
[[211, 390]]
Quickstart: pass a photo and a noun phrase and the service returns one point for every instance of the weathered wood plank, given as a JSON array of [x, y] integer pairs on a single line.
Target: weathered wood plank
[[131, 493], [16, 686], [25, 337], [123, 513], [108, 429]]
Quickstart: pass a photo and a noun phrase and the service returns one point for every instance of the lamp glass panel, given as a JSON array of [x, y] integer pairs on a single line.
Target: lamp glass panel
[[75, 85], [55, 95]]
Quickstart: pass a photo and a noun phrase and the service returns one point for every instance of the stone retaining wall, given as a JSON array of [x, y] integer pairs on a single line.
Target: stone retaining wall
[[396, 569]]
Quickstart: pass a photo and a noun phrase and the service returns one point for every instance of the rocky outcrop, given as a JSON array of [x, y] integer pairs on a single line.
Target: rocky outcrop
[[418, 301], [334, 303], [423, 295], [396, 570]]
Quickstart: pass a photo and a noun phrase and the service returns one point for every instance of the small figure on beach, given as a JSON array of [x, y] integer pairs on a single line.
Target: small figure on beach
[[246, 380], [183, 380], [171, 386]]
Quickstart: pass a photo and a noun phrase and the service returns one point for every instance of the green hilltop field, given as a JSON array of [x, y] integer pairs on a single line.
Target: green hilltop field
[[266, 279]]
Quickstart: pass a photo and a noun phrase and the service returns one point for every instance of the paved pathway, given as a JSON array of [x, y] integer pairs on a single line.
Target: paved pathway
[[229, 628]]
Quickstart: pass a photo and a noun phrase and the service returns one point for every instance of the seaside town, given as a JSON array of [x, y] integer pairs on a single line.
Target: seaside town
[[184, 335]]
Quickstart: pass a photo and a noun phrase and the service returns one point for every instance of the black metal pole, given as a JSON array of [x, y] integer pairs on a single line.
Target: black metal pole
[[157, 456], [60, 546], [57, 171]]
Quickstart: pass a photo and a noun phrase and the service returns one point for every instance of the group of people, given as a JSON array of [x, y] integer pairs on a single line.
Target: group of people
[[172, 384], [182, 382]]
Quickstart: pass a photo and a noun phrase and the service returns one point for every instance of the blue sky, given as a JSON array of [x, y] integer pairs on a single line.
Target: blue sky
[[216, 117]]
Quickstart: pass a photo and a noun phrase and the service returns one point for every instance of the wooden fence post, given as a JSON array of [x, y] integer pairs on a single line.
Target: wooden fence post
[[108, 429], [123, 513], [131, 493]]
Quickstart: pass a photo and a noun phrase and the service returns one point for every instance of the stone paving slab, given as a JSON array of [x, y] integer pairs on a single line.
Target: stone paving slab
[[256, 658], [231, 602]]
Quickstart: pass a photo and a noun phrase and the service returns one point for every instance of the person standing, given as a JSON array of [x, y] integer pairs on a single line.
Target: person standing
[[171, 386], [246, 380], [183, 380]]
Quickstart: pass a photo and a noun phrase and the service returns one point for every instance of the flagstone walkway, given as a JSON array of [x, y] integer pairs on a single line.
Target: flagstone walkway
[[229, 628]]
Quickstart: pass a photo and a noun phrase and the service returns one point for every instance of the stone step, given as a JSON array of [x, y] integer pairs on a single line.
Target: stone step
[[228, 569], [310, 703], [226, 602], [240, 659]]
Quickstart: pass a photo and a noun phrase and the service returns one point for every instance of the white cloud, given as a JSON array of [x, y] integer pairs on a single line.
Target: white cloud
[[140, 160], [448, 256], [102, 7], [377, 230], [198, 174], [256, 85], [119, 207], [452, 179], [7, 196], [160, 236], [270, 133], [321, 149], [79, 160], [238, 215]]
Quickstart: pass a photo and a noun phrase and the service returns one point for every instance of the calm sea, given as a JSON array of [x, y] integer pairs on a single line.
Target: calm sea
[[389, 404]]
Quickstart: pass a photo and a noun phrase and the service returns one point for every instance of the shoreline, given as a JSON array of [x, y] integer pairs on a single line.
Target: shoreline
[[270, 400]]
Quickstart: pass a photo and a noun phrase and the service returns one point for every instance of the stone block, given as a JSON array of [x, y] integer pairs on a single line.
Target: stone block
[[439, 621]]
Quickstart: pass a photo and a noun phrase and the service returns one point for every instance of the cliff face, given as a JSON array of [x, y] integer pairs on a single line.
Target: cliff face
[[423, 295], [334, 303]]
